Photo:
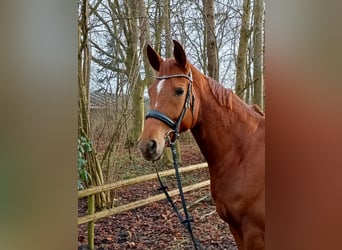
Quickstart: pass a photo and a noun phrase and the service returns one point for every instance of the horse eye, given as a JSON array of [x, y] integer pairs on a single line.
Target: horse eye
[[179, 91]]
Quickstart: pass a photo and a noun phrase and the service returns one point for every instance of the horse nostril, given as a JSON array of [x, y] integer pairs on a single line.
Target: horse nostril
[[152, 146]]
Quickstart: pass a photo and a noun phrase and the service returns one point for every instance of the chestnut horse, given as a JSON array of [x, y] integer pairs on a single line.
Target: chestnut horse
[[229, 133]]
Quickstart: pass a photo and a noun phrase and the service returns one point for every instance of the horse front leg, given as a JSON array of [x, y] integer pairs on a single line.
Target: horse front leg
[[253, 237], [237, 234]]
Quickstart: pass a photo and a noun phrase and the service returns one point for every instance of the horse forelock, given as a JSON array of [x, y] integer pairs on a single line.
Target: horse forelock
[[170, 66], [167, 67]]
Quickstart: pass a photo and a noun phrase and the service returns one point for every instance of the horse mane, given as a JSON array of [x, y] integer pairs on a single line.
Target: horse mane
[[223, 96], [258, 109], [226, 98]]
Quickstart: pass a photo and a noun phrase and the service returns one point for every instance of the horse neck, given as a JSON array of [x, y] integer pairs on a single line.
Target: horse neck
[[224, 121]]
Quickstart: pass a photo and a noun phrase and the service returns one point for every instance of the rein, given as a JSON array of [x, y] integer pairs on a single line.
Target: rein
[[174, 125], [187, 220]]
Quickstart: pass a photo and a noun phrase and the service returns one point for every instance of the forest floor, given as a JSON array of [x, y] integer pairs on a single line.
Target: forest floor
[[156, 226]]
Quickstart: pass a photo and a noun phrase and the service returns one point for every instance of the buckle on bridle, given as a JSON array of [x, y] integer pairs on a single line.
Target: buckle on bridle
[[168, 138]]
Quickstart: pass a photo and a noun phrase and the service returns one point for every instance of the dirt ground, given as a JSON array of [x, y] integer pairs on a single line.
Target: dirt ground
[[156, 226]]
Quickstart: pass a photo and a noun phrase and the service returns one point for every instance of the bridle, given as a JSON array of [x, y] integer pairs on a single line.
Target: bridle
[[174, 125]]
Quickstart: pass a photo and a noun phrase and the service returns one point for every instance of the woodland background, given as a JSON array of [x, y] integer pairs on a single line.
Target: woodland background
[[38, 94], [223, 39]]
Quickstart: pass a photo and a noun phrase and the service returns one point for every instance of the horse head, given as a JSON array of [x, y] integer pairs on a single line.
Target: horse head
[[172, 102]]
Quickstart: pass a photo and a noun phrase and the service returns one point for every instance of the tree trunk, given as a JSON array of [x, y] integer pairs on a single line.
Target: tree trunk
[[167, 27], [168, 159], [84, 58], [132, 66], [242, 52], [209, 21], [258, 78], [143, 30], [158, 24]]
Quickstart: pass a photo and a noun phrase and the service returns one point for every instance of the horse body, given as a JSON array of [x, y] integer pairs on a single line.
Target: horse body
[[230, 135]]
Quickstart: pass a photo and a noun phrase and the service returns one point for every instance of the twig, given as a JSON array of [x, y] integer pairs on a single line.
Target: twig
[[198, 201], [208, 214]]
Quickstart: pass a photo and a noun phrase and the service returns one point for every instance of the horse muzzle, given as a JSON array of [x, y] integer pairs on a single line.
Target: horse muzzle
[[151, 149]]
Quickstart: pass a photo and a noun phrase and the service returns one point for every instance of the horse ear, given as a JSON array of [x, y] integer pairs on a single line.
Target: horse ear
[[179, 53], [154, 58]]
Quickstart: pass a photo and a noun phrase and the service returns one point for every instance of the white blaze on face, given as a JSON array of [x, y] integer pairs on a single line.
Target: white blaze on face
[[159, 88]]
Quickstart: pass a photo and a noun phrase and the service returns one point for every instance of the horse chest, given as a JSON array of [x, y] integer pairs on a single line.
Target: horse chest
[[228, 194]]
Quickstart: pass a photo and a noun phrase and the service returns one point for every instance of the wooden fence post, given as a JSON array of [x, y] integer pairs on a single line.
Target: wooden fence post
[[91, 210]]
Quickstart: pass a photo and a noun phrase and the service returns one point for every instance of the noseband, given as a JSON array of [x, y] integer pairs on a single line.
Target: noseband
[[174, 125]]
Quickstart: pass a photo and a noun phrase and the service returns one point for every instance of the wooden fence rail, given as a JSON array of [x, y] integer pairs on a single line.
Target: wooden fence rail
[[123, 183], [139, 203], [90, 192]]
